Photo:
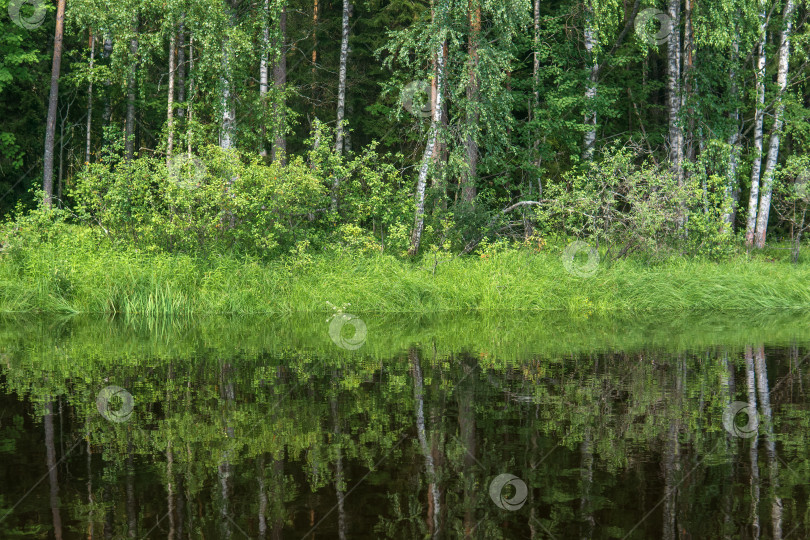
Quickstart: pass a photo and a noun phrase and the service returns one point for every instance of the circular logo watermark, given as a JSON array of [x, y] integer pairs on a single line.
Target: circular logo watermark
[[644, 26], [569, 259], [730, 414], [339, 334], [497, 486], [186, 170], [115, 404], [803, 186], [411, 90], [30, 18]]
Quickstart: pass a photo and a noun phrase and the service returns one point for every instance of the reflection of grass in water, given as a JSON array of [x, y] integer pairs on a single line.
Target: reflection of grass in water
[[81, 276], [493, 338]]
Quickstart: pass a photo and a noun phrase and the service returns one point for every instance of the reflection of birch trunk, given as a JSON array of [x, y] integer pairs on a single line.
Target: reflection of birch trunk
[[132, 513], [170, 489], [466, 425], [728, 386], [90, 501], [433, 491], [224, 467], [770, 443], [586, 476], [339, 488], [670, 460], [753, 453], [533, 467], [262, 499], [53, 479]]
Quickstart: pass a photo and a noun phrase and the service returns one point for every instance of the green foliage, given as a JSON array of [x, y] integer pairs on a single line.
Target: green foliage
[[217, 202]]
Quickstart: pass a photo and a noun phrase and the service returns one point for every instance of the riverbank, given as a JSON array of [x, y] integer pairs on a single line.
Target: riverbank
[[74, 274]]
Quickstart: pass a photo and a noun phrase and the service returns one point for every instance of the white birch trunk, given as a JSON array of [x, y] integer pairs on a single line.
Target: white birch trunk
[[90, 98], [674, 90], [170, 100], [129, 130], [436, 122], [341, 97], [263, 71], [773, 147], [591, 43], [341, 101], [226, 99], [733, 141], [759, 113]]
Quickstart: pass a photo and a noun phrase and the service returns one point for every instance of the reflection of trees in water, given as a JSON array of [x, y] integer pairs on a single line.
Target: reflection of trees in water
[[226, 439]]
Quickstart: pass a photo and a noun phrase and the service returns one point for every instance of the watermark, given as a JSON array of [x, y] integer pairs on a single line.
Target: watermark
[[115, 404], [497, 486], [186, 171], [803, 186], [345, 338], [413, 89], [730, 414], [578, 268], [28, 18], [644, 26]]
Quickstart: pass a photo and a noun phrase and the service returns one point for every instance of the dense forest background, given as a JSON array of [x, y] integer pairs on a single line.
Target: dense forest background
[[278, 125]]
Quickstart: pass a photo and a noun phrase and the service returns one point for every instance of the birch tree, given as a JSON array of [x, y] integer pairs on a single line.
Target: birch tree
[[674, 90], [759, 114], [435, 124], [591, 44], [773, 148]]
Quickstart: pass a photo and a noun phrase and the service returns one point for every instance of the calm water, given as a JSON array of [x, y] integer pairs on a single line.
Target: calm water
[[483, 427]]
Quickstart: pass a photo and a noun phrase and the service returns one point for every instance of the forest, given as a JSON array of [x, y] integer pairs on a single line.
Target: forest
[[281, 130], [404, 269]]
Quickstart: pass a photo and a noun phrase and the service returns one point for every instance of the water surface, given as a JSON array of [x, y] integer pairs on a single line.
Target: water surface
[[499, 426]]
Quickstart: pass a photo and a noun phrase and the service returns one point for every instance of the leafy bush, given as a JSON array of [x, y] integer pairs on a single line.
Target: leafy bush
[[218, 201], [637, 208]]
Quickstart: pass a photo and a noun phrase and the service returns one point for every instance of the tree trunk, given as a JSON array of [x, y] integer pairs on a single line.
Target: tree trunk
[[53, 100], [536, 86], [170, 100], [181, 66], [105, 54], [263, 70], [314, 40], [773, 148], [189, 110], [419, 215], [129, 130], [689, 80], [341, 98], [674, 90], [468, 189], [759, 115], [279, 149], [730, 199], [90, 97], [591, 43], [226, 83]]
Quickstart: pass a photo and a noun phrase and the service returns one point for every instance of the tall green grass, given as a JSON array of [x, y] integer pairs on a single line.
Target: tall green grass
[[76, 275]]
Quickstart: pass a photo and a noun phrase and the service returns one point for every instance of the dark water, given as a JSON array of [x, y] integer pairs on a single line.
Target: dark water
[[480, 427]]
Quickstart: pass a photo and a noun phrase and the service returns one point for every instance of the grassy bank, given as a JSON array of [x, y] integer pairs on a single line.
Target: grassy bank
[[72, 273]]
